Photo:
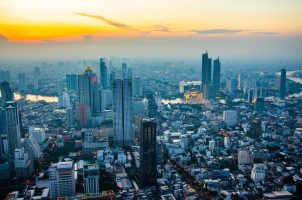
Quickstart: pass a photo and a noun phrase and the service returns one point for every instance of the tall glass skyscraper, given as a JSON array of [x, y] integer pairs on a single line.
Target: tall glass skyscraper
[[103, 74], [72, 82], [89, 96], [122, 108], [283, 84], [216, 76], [148, 152]]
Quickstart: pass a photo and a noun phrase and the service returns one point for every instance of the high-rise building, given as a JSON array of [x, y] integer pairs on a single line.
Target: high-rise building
[[60, 87], [129, 73], [4, 76], [70, 117], [283, 84], [91, 179], [124, 71], [103, 74], [122, 108], [36, 77], [230, 117], [89, 96], [231, 85], [206, 73], [152, 106], [112, 77], [23, 164], [137, 86], [6, 93], [72, 82], [21, 82], [61, 180], [216, 75], [148, 172], [12, 125]]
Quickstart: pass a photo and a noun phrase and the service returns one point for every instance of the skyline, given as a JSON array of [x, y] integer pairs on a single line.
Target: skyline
[[60, 29]]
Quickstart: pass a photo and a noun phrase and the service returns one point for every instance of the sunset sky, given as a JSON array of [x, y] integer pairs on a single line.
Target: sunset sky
[[58, 22]]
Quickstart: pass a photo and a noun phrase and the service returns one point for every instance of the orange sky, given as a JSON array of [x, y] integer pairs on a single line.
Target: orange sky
[[65, 20]]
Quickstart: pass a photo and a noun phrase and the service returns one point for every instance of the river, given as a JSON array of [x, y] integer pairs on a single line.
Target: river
[[34, 98]]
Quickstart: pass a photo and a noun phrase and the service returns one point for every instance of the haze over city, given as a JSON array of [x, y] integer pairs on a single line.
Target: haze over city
[[69, 29], [150, 100]]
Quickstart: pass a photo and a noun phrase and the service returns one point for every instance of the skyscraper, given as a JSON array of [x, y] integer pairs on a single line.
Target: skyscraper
[[36, 77], [122, 108], [89, 96], [61, 180], [72, 82], [103, 74], [6, 93], [4, 76], [137, 86], [231, 85], [216, 75], [283, 84], [148, 152], [21, 82], [12, 125], [112, 77], [206, 72], [124, 71]]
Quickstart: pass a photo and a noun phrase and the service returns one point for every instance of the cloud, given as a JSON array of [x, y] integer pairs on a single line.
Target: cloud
[[216, 31], [87, 37], [266, 33], [109, 21], [3, 38]]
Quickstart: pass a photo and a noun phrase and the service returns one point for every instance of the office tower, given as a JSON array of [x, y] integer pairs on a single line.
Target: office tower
[[124, 71], [91, 179], [6, 93], [70, 117], [122, 108], [231, 85], [148, 174], [64, 100], [32, 147], [112, 77], [36, 77], [103, 74], [283, 84], [12, 126], [61, 180], [152, 106], [72, 82], [89, 97], [21, 82], [4, 76], [129, 73], [208, 91], [238, 82], [140, 106], [137, 86], [23, 164], [216, 76], [230, 117], [206, 72], [60, 87]]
